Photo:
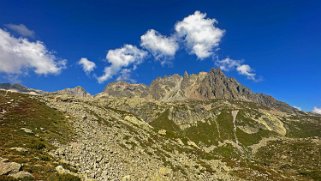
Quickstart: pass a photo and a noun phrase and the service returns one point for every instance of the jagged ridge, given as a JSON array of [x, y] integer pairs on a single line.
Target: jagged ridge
[[202, 86]]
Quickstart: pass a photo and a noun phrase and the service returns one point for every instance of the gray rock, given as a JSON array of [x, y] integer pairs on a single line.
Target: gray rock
[[9, 168], [19, 149], [27, 130], [124, 89], [21, 175], [202, 86], [76, 91]]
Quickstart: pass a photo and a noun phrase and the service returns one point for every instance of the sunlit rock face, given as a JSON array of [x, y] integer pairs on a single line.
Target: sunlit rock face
[[202, 86]]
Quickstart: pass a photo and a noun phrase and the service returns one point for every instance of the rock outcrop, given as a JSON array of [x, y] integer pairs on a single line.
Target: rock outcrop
[[124, 89], [13, 170], [202, 86], [76, 91], [9, 168]]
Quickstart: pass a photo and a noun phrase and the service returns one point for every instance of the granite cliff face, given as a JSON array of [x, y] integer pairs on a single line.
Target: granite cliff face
[[202, 86]]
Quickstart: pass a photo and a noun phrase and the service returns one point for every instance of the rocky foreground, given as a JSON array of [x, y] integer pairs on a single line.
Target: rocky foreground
[[113, 144]]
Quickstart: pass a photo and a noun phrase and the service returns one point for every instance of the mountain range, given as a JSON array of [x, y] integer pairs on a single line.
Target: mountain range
[[203, 86], [203, 126]]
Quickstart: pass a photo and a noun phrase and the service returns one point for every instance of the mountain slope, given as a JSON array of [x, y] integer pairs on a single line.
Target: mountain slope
[[190, 140], [196, 127], [28, 130]]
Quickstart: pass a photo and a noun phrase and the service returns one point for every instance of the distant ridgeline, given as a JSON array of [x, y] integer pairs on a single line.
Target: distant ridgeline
[[202, 86]]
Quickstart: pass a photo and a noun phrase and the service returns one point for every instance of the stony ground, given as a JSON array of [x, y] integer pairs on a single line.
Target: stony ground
[[28, 129], [114, 145], [105, 138]]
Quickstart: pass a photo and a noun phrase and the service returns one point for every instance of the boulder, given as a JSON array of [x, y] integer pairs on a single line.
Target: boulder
[[21, 175], [9, 168], [27, 130], [19, 149]]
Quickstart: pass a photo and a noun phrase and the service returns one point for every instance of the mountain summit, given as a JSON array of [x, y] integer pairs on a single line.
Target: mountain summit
[[202, 86], [76, 91]]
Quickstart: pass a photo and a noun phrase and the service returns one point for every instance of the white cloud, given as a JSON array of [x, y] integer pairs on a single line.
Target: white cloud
[[21, 29], [228, 64], [316, 110], [161, 47], [298, 108], [246, 70], [18, 55], [127, 56], [125, 75], [200, 34], [87, 65]]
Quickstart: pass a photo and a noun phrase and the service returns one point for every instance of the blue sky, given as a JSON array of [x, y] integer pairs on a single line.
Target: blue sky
[[272, 47]]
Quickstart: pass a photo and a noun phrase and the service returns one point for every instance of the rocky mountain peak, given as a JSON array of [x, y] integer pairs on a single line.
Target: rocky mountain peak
[[186, 75], [76, 91], [202, 86], [217, 85], [124, 89], [217, 71]]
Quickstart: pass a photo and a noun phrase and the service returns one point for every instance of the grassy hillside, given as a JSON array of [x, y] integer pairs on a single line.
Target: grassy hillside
[[27, 130], [192, 139], [295, 155]]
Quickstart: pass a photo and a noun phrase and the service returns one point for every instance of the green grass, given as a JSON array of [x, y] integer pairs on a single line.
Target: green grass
[[63, 177], [7, 178], [227, 151], [301, 156], [250, 139], [315, 174], [225, 122], [267, 164], [162, 122], [203, 133], [47, 124], [306, 127]]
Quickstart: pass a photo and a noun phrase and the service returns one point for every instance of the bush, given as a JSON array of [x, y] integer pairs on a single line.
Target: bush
[[63, 177], [7, 178], [38, 146]]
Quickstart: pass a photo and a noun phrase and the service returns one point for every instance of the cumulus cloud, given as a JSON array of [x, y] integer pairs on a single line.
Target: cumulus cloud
[[246, 70], [200, 34], [87, 65], [228, 64], [196, 32], [161, 47], [125, 75], [18, 55], [316, 110], [298, 108], [21, 30], [128, 56]]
